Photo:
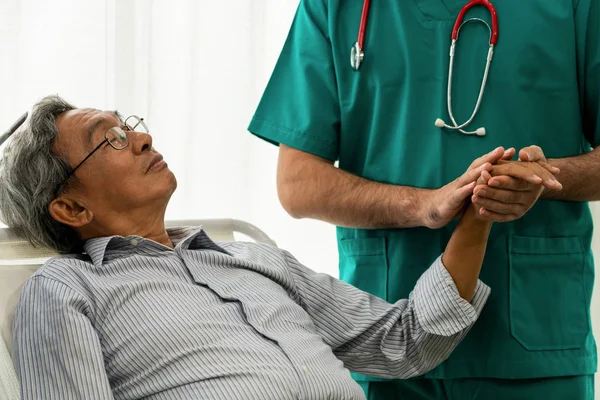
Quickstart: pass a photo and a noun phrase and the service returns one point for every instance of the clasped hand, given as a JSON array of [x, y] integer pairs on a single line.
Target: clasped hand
[[507, 191], [501, 190]]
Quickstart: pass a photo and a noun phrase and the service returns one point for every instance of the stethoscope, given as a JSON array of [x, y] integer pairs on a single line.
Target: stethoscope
[[357, 56]]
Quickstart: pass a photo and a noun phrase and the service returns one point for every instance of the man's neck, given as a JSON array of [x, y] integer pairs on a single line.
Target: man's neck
[[150, 226], [161, 237]]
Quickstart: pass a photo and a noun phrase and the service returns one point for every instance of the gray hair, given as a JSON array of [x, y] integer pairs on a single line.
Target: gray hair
[[31, 176]]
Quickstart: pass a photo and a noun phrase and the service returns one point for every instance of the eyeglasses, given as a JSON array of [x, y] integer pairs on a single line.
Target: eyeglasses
[[117, 138]]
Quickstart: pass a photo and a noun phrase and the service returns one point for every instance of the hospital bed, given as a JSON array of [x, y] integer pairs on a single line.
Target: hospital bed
[[19, 260]]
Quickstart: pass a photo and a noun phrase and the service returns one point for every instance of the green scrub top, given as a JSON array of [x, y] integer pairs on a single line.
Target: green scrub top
[[543, 88]]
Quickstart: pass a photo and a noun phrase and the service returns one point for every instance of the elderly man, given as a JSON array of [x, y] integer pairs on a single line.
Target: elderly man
[[134, 310]]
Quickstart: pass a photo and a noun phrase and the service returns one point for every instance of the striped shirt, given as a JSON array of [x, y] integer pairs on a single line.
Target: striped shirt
[[134, 319]]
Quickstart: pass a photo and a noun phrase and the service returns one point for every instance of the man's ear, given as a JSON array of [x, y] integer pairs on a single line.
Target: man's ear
[[70, 212]]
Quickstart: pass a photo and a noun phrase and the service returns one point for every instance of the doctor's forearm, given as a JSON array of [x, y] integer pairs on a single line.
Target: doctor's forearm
[[579, 176], [311, 187]]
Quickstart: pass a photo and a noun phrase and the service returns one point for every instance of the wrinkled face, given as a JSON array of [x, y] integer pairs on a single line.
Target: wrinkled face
[[112, 181]]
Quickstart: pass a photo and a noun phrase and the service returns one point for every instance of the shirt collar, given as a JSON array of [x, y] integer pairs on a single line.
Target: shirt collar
[[185, 238]]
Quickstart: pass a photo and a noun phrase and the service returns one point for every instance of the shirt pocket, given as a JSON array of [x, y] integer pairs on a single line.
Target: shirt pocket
[[363, 263], [547, 294]]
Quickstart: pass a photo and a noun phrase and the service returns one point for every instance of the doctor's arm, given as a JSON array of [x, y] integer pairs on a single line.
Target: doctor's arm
[[57, 352], [312, 187], [579, 177], [413, 335]]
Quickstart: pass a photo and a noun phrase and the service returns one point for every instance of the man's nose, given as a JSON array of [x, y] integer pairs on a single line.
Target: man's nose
[[141, 142]]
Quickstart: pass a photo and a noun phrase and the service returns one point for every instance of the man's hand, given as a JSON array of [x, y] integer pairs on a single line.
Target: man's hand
[[510, 189], [448, 202]]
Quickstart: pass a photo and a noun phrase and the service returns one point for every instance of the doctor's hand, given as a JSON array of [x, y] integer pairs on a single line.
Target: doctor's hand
[[510, 189], [535, 154], [448, 202]]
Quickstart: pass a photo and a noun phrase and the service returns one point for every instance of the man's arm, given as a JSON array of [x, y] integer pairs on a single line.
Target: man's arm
[[579, 177], [57, 352], [312, 187], [412, 336]]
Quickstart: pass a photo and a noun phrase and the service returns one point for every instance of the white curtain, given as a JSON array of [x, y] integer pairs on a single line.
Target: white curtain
[[195, 69]]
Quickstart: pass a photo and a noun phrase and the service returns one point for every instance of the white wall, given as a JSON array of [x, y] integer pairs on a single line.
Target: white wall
[[195, 70]]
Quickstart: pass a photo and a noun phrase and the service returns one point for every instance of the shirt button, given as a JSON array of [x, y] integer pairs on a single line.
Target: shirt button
[[134, 242], [305, 368]]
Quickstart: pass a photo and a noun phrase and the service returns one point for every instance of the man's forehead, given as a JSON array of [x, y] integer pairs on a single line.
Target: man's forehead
[[86, 120], [78, 126], [81, 116]]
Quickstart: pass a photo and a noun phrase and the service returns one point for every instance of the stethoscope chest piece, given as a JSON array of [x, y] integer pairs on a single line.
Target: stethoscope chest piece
[[356, 56]]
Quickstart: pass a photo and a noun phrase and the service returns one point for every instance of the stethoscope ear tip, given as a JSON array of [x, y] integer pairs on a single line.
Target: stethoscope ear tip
[[480, 132], [440, 123]]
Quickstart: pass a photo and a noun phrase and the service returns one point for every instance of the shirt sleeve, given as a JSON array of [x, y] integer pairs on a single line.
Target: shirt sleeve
[[587, 23], [300, 106], [395, 341], [57, 352]]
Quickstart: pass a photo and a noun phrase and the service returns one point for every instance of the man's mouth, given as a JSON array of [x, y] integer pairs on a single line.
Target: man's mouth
[[156, 163]]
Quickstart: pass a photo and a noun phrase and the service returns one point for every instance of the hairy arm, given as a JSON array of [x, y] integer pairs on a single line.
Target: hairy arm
[[579, 178], [312, 187]]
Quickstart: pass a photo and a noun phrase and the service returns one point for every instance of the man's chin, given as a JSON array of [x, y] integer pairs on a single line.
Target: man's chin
[[162, 185], [172, 183], [173, 180]]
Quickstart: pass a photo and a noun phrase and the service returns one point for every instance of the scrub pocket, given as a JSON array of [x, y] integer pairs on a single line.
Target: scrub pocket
[[363, 263], [547, 294]]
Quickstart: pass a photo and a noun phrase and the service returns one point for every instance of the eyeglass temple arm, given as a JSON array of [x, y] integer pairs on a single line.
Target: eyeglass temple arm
[[13, 128], [88, 156]]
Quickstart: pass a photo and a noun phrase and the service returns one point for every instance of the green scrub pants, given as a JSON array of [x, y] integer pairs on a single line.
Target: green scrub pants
[[558, 388]]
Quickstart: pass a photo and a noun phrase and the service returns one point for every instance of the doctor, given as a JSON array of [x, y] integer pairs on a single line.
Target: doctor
[[394, 196]]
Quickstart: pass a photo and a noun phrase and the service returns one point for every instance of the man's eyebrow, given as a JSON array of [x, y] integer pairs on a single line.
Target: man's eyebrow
[[99, 122]]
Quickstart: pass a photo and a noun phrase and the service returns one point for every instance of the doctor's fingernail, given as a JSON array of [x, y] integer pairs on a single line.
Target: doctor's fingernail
[[555, 182], [528, 156], [494, 183]]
